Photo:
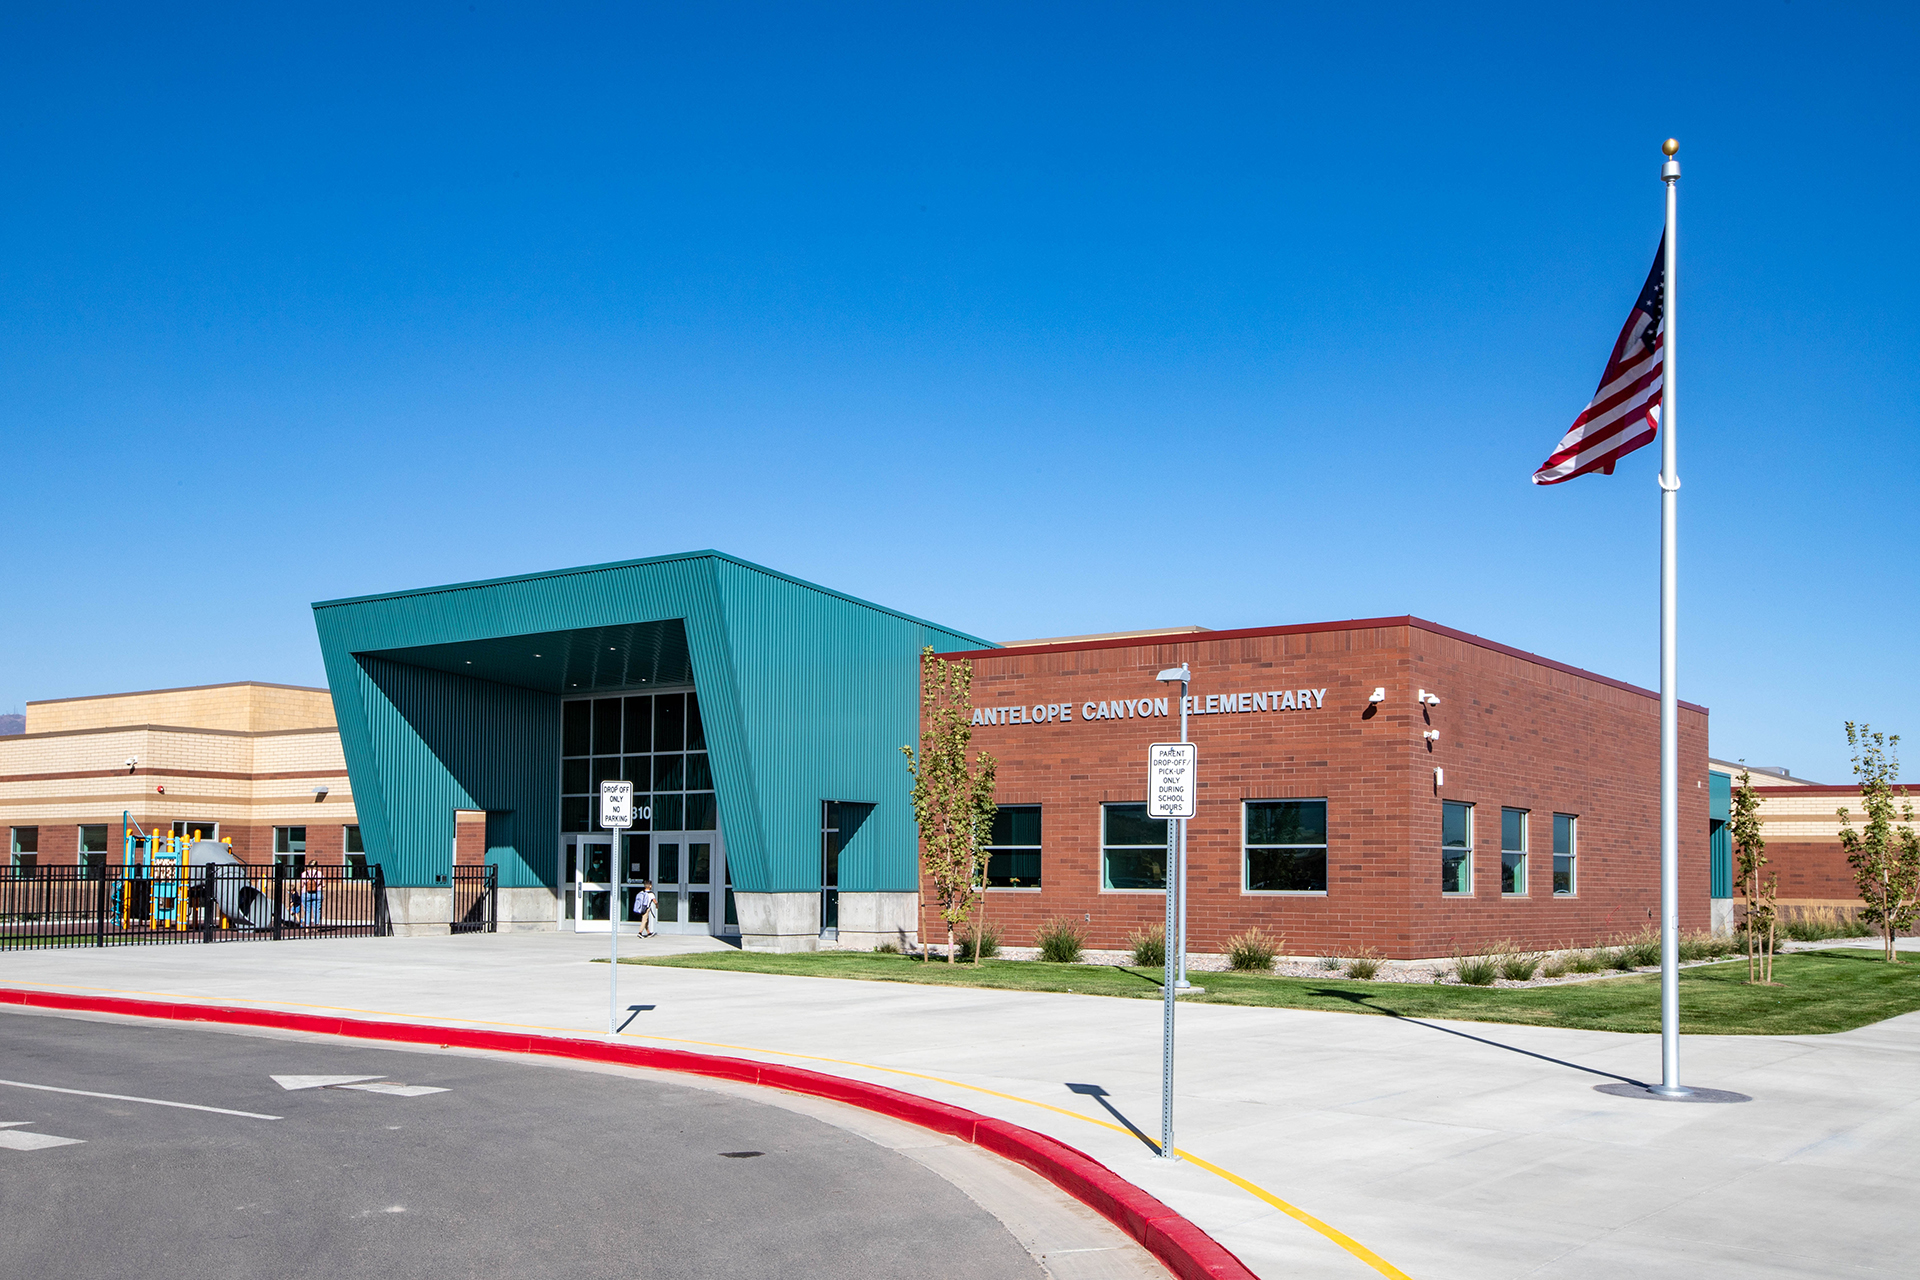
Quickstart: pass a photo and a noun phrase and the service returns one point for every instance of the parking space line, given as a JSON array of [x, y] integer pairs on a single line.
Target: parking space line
[[152, 1102]]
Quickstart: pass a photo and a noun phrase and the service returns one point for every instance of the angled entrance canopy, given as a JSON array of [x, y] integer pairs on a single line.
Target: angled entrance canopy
[[448, 698]]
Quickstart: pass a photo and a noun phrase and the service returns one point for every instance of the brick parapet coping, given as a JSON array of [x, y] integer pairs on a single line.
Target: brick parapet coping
[[1184, 1248]]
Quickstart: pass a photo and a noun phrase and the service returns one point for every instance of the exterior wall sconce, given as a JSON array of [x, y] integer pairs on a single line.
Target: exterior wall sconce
[[319, 794]]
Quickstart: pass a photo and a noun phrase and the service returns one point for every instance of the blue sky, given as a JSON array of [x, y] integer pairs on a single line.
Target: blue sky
[[1030, 319]]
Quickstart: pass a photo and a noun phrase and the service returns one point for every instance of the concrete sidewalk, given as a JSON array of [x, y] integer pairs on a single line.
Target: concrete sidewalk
[[1449, 1149]]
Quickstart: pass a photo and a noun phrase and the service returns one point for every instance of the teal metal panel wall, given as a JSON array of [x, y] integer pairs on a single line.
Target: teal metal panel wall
[[1720, 864], [806, 695], [825, 695], [1719, 795]]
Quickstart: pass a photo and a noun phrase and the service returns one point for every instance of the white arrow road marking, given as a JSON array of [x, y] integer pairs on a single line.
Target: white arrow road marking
[[318, 1082], [152, 1102], [397, 1090], [31, 1141]]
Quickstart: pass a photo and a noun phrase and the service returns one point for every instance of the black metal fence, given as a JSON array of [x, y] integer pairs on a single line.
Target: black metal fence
[[114, 906], [476, 899]]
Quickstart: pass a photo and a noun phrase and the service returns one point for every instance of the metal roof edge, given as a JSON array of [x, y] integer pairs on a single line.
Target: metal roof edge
[[708, 554]]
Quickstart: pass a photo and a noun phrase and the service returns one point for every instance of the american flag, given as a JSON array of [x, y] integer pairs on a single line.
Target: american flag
[[1625, 412]]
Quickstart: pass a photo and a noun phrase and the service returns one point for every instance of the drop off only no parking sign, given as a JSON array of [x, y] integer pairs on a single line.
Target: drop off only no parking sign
[[1173, 779]]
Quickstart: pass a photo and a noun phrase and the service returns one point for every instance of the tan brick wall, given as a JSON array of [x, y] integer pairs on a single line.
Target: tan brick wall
[[246, 707]]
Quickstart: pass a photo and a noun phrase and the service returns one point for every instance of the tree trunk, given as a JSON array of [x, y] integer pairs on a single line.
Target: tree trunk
[[950, 946], [980, 929]]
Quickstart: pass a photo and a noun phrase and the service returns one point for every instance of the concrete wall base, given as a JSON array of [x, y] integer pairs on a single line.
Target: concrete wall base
[[1722, 917], [426, 911], [791, 921], [779, 921], [870, 919]]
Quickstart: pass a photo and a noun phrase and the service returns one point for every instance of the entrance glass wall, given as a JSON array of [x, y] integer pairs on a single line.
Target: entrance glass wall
[[656, 742]]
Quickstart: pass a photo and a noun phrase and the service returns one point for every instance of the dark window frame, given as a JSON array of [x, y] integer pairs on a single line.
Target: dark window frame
[[1248, 848]]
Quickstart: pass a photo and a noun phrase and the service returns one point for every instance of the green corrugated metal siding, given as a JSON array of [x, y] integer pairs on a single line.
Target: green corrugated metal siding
[[1719, 795], [1720, 865], [806, 694]]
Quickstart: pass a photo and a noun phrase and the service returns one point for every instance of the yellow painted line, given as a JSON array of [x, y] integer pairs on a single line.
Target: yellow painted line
[[1253, 1189]]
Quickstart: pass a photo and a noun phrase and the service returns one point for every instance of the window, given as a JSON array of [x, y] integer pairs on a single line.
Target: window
[[1286, 846], [289, 840], [1565, 850], [1456, 847], [653, 740], [1513, 852], [353, 853], [1013, 850], [25, 846], [197, 829], [1133, 848], [93, 839]]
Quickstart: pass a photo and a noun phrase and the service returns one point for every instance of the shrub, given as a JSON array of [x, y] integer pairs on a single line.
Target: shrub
[[1253, 950], [989, 942], [1704, 946], [1331, 963], [1476, 971], [1364, 965], [887, 949], [1518, 966], [1817, 924], [1555, 966], [1061, 940], [1639, 951], [1593, 960], [1148, 946]]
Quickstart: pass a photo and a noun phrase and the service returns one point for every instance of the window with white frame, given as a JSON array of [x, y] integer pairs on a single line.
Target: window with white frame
[[1133, 848], [1566, 839], [1285, 846], [1513, 852], [1456, 847]]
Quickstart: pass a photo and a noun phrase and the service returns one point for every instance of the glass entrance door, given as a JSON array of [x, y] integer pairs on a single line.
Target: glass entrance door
[[594, 889], [690, 878]]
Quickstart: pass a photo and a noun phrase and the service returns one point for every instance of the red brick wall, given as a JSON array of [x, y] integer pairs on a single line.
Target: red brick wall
[[1513, 732], [1811, 873]]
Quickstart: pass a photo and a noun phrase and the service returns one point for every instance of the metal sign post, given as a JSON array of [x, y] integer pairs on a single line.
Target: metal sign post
[[616, 814], [1173, 783]]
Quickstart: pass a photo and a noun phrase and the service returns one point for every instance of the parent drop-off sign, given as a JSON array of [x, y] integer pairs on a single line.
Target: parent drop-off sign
[[1173, 779]]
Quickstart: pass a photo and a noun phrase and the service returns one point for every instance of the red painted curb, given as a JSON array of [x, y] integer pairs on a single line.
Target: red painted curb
[[1185, 1249]]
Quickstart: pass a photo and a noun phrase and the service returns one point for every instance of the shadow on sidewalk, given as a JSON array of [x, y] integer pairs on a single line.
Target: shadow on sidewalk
[[1099, 1095], [1363, 999]]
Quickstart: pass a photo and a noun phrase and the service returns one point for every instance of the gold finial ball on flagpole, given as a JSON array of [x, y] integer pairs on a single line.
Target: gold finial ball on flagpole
[[1671, 146]]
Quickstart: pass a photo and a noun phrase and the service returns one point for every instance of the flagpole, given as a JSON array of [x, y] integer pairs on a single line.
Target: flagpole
[[1670, 1085]]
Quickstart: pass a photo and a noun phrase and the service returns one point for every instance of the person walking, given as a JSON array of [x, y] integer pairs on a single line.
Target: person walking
[[647, 905]]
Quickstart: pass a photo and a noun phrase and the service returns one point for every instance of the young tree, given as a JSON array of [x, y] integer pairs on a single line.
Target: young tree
[[952, 799], [1885, 857], [1751, 849]]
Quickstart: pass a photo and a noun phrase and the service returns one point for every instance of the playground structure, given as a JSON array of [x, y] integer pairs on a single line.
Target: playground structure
[[151, 890]]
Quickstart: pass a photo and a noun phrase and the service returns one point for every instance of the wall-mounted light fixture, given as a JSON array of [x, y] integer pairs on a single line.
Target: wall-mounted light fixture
[[1439, 779], [319, 794], [1379, 695]]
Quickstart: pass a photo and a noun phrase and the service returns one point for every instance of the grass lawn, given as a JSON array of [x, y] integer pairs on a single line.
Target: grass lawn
[[1820, 991]]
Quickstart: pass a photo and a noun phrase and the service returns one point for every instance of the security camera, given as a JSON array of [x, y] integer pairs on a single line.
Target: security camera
[[1379, 695], [1432, 735], [131, 762]]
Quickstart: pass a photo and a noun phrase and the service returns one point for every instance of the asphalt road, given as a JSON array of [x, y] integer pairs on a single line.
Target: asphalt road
[[513, 1170]]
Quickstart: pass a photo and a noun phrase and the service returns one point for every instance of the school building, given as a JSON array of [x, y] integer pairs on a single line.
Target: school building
[[1390, 783]]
